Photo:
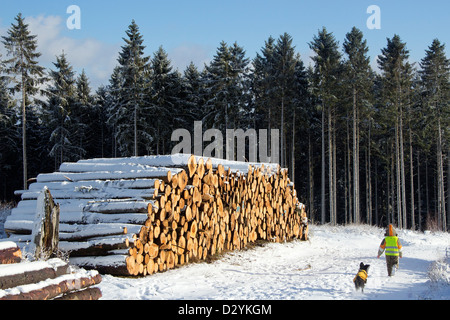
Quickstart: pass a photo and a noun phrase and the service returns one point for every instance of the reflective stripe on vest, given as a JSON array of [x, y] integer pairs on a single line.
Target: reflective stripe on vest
[[391, 246]]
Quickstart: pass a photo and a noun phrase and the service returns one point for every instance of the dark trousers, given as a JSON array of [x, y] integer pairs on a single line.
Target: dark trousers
[[391, 261]]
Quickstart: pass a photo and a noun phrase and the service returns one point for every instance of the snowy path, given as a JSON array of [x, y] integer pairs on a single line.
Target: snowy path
[[320, 269]]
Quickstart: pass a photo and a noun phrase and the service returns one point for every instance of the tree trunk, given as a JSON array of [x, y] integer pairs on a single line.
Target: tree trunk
[[24, 135], [419, 193], [135, 132], [282, 146], [322, 198], [355, 161], [330, 166], [349, 177], [411, 170], [398, 176], [293, 150], [402, 168], [369, 177], [311, 179], [440, 179]]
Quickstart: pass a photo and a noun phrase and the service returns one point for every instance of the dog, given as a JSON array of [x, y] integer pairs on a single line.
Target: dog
[[361, 278]]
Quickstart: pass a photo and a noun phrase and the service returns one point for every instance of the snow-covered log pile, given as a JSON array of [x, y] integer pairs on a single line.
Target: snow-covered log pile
[[138, 216], [43, 280]]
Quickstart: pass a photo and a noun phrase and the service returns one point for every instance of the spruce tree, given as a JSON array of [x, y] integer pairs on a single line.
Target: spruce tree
[[25, 72], [86, 118], [194, 96], [166, 88], [9, 150], [396, 81], [58, 112], [225, 87], [285, 64], [359, 80], [435, 83], [262, 86], [127, 116], [325, 86], [103, 132]]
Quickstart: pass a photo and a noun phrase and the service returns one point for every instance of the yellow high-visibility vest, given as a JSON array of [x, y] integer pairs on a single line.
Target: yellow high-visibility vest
[[391, 246]]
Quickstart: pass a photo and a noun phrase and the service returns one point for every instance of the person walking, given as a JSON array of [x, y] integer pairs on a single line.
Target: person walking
[[393, 250]]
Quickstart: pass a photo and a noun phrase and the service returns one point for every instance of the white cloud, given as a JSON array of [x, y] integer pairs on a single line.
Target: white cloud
[[96, 57]]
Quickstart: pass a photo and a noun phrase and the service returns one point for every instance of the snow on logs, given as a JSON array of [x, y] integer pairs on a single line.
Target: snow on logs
[[142, 215], [43, 280]]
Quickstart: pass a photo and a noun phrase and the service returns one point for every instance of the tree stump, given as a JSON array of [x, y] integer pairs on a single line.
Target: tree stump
[[45, 234]]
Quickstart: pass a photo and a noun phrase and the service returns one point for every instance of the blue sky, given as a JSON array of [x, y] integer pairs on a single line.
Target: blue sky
[[191, 30]]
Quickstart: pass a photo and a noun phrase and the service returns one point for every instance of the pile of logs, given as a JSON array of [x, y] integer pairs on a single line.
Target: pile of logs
[[53, 279], [138, 216]]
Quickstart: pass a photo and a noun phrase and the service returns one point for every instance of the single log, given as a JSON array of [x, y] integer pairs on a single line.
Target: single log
[[192, 165], [111, 264], [182, 180], [52, 289], [86, 294], [32, 272], [97, 246], [9, 253], [120, 206]]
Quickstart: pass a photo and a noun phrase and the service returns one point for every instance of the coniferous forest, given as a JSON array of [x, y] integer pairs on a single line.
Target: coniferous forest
[[361, 146]]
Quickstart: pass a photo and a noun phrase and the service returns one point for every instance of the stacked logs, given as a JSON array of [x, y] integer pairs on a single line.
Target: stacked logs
[[53, 279], [207, 210], [137, 216]]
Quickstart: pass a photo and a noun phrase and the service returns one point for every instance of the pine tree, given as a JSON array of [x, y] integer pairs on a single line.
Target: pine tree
[[25, 72], [325, 83], [435, 82], [285, 64], [104, 136], [194, 96], [86, 118], [9, 152], [279, 87], [166, 88], [360, 84], [127, 117], [396, 80], [113, 110], [58, 112], [262, 85], [225, 88]]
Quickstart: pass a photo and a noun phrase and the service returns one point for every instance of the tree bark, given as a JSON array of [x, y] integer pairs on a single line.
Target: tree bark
[[34, 275], [55, 290]]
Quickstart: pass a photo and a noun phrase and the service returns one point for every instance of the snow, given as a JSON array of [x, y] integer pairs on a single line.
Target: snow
[[17, 268], [81, 273], [320, 269], [7, 245], [173, 160]]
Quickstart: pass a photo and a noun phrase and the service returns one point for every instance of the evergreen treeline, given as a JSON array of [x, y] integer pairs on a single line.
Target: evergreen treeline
[[361, 146]]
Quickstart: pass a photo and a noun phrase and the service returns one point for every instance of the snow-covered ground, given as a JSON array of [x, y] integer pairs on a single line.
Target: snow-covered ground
[[320, 269]]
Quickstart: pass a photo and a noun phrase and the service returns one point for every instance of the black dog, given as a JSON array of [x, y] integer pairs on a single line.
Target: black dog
[[361, 278]]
